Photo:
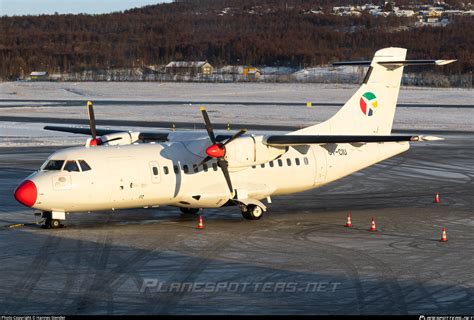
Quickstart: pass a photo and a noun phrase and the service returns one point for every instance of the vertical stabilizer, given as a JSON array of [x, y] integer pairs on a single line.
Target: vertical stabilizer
[[370, 111]]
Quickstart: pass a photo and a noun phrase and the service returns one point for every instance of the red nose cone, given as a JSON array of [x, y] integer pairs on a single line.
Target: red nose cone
[[26, 193], [216, 151]]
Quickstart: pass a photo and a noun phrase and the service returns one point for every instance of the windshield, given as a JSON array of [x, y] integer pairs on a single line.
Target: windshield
[[71, 165], [53, 165]]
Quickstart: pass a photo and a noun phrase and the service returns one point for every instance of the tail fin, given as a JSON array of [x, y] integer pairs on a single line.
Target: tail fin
[[371, 109]]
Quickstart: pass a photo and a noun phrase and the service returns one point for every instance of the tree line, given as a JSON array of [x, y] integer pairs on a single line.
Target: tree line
[[238, 32]]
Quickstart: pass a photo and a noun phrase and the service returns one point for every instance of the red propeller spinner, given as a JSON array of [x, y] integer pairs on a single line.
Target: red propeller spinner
[[216, 150]]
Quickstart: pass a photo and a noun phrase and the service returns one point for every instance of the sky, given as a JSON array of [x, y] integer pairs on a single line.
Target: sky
[[35, 7]]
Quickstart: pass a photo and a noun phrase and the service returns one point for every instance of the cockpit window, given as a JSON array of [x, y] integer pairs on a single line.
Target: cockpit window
[[71, 166], [53, 165], [84, 165]]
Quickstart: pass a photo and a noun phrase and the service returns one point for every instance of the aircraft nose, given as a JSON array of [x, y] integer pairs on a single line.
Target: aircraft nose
[[26, 193]]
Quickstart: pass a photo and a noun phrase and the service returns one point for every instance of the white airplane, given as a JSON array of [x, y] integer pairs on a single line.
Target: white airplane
[[193, 170]]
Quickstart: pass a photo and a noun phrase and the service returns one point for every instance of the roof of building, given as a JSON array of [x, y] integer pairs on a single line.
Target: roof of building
[[39, 73], [186, 64]]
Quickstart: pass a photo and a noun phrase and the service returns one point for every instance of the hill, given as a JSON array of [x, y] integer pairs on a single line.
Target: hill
[[272, 33]]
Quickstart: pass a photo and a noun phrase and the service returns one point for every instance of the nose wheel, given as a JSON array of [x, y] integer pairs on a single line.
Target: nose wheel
[[50, 222], [53, 223]]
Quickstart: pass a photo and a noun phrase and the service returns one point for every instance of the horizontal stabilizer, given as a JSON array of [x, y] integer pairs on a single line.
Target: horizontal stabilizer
[[295, 140], [394, 63]]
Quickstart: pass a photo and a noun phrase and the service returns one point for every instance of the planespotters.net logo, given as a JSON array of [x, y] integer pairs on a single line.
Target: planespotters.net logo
[[368, 103]]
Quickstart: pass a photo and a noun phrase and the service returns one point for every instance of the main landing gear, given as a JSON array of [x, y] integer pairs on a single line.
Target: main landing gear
[[189, 210], [252, 212]]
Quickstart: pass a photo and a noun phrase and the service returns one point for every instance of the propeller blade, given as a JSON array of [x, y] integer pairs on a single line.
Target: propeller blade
[[223, 165], [235, 136], [206, 159], [90, 110], [209, 129]]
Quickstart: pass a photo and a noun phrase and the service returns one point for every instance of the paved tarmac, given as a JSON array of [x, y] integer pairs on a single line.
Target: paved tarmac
[[298, 259], [9, 103]]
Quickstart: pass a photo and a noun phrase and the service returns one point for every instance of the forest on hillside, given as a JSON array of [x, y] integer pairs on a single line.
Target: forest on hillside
[[223, 32]]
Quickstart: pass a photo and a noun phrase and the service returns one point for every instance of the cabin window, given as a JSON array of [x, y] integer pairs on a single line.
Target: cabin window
[[185, 169], [204, 166], [214, 166], [306, 161], [155, 171], [288, 162], [176, 169], [271, 164], [280, 163], [71, 165], [53, 165], [84, 165], [165, 170], [297, 161], [195, 168]]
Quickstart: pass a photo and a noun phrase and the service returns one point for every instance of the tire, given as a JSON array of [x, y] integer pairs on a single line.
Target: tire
[[54, 223], [246, 215], [253, 212], [189, 210]]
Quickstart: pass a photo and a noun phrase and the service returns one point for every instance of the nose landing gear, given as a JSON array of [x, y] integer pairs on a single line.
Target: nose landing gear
[[52, 220], [53, 223]]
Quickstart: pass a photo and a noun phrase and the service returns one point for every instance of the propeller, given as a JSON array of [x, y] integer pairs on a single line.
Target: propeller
[[217, 150], [90, 110]]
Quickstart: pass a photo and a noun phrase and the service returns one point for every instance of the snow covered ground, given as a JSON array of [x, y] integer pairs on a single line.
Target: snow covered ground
[[407, 118], [290, 92]]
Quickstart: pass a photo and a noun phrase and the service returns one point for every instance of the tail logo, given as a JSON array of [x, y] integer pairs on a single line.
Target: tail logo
[[368, 103]]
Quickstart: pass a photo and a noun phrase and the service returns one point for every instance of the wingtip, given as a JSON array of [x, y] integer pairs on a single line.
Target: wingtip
[[89, 104], [202, 108], [431, 138], [444, 62]]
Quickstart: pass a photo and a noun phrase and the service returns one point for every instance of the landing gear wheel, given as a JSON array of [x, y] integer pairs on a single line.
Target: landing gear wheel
[[52, 223], [252, 212], [189, 210]]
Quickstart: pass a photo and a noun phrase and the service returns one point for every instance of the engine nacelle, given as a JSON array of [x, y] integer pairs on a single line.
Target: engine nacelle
[[250, 150], [119, 138]]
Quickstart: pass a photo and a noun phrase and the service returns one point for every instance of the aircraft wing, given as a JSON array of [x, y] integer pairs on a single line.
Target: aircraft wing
[[295, 140], [144, 136], [79, 130]]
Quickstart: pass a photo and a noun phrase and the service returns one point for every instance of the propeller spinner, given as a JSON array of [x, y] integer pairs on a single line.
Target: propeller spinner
[[217, 150]]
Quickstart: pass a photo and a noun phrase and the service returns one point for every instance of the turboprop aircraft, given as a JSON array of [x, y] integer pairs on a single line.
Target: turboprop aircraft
[[193, 170]]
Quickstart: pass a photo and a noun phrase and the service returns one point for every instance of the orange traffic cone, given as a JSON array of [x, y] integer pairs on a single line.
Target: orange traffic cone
[[372, 227], [200, 224], [436, 198], [443, 237], [348, 223]]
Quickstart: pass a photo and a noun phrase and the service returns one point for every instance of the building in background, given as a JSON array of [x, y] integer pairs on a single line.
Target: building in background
[[189, 68], [39, 76]]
